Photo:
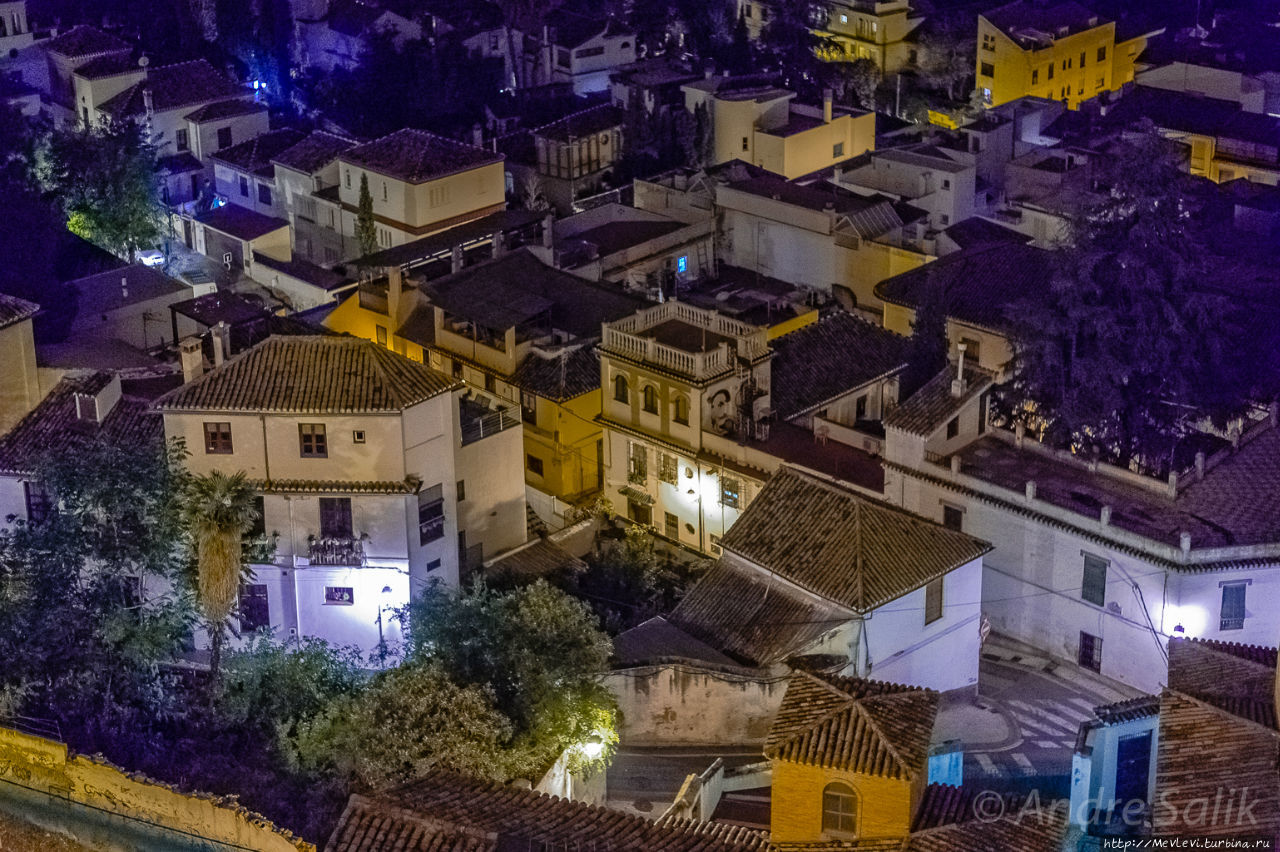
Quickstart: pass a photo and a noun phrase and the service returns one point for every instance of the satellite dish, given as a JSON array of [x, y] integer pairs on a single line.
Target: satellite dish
[[144, 61]]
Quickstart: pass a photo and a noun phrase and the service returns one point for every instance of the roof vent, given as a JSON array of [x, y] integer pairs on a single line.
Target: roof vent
[[958, 383]]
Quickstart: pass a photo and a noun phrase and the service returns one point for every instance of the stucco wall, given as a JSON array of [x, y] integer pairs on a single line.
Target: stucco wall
[[884, 804], [32, 766], [683, 705]]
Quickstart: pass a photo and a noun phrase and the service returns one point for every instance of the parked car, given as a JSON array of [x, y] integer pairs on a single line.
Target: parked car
[[151, 257]]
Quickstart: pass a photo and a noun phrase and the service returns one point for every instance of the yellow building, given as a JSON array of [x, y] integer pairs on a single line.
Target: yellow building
[[1060, 51], [520, 331], [19, 386], [849, 757], [872, 29], [420, 183], [760, 124]]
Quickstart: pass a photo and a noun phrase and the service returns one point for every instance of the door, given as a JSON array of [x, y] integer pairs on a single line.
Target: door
[[1133, 768], [335, 517]]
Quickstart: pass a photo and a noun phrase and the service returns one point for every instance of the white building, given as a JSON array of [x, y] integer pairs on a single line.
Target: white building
[[376, 476], [1095, 564], [930, 178], [815, 568]]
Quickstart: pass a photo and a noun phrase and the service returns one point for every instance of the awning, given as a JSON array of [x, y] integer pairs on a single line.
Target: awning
[[635, 495]]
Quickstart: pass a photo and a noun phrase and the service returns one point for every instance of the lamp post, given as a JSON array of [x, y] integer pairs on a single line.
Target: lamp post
[[382, 641]]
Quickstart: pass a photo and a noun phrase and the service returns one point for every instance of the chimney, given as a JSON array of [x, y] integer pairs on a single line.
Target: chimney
[[124, 287], [1105, 517], [499, 244], [826, 106], [219, 352], [958, 383], [1031, 489], [191, 356], [1184, 540], [395, 289], [549, 231], [148, 103], [456, 259], [1200, 465], [1019, 433], [477, 135], [1274, 412]]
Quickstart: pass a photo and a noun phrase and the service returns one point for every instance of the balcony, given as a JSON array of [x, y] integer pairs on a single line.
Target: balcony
[[346, 552], [685, 339], [480, 419]]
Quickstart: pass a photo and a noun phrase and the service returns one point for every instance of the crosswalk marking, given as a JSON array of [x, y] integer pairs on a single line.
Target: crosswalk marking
[[987, 764], [1049, 743], [1023, 763]]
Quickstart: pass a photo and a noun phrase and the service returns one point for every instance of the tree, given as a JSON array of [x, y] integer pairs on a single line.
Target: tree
[[927, 353], [104, 178], [862, 76], [538, 650], [1131, 346], [366, 227], [219, 511], [947, 55], [793, 41], [408, 721]]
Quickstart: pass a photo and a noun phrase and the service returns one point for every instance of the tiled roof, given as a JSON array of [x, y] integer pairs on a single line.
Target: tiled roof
[[417, 156], [585, 122], [317, 150], [52, 427], [240, 222], [1203, 751], [457, 807], [613, 237], [219, 110], [573, 372], [982, 286], [830, 357], [1142, 707], [1263, 655], [929, 408], [255, 155], [108, 291], [108, 66], [1239, 495], [658, 641], [1043, 17], [538, 558], [172, 87], [304, 270], [738, 611], [975, 231], [85, 40], [335, 486], [1189, 113], [311, 374], [857, 552], [573, 28], [863, 726], [14, 310]]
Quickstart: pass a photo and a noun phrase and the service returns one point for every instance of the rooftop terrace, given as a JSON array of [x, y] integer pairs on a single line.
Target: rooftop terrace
[[685, 339]]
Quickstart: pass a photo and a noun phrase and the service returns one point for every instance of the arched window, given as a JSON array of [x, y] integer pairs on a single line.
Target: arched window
[[620, 389], [839, 808], [651, 399], [681, 414]]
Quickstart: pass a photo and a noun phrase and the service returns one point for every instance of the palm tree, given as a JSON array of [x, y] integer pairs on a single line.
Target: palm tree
[[219, 510]]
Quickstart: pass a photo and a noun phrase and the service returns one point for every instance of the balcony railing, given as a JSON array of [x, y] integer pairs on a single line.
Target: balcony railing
[[477, 426], [336, 551]]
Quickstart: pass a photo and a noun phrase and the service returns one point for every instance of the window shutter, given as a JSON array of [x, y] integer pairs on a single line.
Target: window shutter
[[1093, 588]]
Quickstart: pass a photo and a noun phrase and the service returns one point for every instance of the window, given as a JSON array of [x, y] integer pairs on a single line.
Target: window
[[244, 186], [681, 413], [987, 70], [588, 52], [534, 464], [933, 601], [972, 349], [335, 517], [224, 137], [1232, 614], [430, 514], [1066, 63], [730, 492], [1035, 76], [433, 565], [620, 393], [641, 513], [346, 176], [844, 19], [255, 611], [1093, 587], [1102, 81], [181, 140], [312, 441], [462, 490], [638, 464], [953, 427], [651, 399], [1090, 655], [258, 529], [357, 436], [1050, 74], [839, 809], [37, 501], [529, 408], [339, 596], [562, 57], [668, 469], [217, 438], [671, 526], [384, 190], [1082, 56], [860, 408], [380, 334], [490, 382], [1102, 53], [953, 517], [946, 220], [715, 545], [988, 42], [837, 150], [946, 183], [264, 194], [746, 144]]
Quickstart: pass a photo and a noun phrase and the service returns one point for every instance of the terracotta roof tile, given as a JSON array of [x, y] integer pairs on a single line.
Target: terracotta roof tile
[[314, 152], [224, 109], [449, 808], [857, 725], [183, 84], [54, 428], [539, 558], [417, 156], [255, 155], [570, 374], [929, 408], [85, 40], [849, 549], [1142, 707], [14, 310], [829, 357], [312, 374]]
